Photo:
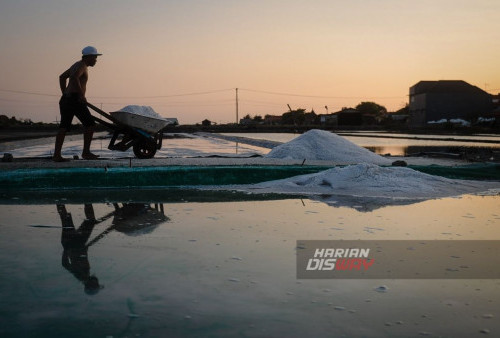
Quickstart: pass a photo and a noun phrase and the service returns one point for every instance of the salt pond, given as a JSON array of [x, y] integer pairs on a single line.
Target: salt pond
[[393, 143], [197, 263], [182, 267], [205, 144], [182, 145]]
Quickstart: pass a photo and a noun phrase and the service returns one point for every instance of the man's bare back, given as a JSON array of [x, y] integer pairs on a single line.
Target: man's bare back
[[78, 76]]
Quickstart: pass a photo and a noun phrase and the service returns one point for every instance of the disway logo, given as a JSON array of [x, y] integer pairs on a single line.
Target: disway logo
[[327, 259]]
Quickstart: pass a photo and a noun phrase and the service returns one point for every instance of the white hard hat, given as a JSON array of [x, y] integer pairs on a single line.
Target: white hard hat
[[89, 50]]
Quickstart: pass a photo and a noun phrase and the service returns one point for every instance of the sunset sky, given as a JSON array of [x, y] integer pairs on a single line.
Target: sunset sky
[[185, 58]]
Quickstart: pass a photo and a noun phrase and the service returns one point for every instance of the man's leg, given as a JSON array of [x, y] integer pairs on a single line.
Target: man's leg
[[87, 140], [89, 211], [68, 228], [61, 134]]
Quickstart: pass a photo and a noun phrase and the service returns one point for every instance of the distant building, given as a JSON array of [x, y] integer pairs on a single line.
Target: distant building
[[247, 121], [496, 100], [445, 99], [272, 119], [328, 119], [493, 117], [349, 117], [402, 118], [206, 123], [310, 118]]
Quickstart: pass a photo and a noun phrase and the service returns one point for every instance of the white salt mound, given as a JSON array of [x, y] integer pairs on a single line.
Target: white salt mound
[[368, 180], [323, 145], [141, 110]]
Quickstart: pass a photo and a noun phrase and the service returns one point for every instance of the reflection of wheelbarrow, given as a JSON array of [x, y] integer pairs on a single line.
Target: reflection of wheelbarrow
[[142, 133], [133, 219]]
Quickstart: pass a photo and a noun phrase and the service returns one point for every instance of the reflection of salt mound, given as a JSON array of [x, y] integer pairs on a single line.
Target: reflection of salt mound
[[141, 110], [323, 145], [368, 180]]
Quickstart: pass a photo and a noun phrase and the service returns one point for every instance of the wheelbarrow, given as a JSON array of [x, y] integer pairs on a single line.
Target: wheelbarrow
[[142, 133], [132, 219]]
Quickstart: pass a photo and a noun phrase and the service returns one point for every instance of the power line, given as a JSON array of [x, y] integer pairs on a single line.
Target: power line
[[321, 97], [261, 102], [24, 101], [162, 96], [120, 97], [168, 103], [25, 92], [196, 104], [210, 92], [191, 105]]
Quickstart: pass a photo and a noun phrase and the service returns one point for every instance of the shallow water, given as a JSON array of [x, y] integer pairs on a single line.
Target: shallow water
[[192, 145], [376, 137], [395, 144], [187, 145], [176, 266]]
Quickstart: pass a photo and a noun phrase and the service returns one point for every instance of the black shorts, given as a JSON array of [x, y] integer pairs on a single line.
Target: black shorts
[[70, 106]]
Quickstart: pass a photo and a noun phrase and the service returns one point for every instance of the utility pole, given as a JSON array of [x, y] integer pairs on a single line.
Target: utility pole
[[237, 120]]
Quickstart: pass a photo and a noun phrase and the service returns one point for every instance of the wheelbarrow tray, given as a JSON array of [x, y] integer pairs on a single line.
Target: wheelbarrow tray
[[146, 123]]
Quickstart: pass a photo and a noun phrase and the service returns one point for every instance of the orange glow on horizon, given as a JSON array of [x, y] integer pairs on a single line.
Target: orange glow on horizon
[[326, 53]]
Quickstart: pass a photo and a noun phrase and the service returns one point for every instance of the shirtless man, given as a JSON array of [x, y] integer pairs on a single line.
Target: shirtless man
[[73, 103]]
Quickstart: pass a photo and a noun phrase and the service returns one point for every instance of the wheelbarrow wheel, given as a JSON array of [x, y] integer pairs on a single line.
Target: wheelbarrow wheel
[[144, 149]]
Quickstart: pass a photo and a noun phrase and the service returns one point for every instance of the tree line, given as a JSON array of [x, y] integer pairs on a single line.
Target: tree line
[[300, 116]]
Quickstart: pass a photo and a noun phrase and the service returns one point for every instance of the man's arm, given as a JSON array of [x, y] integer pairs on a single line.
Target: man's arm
[[74, 79], [62, 80], [74, 74]]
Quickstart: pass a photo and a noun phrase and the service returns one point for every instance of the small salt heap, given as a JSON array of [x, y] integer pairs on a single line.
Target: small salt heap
[[323, 145], [141, 110], [369, 180]]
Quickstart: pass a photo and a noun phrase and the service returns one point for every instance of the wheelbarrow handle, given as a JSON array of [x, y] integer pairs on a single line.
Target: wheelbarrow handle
[[100, 111], [103, 113]]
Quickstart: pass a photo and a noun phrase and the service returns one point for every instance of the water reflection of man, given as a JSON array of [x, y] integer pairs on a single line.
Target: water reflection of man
[[74, 258]]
